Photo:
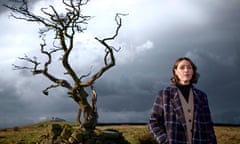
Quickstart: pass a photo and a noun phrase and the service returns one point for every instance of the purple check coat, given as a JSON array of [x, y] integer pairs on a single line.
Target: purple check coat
[[167, 123]]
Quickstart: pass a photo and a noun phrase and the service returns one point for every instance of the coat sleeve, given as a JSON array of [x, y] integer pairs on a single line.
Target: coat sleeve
[[213, 136], [156, 120]]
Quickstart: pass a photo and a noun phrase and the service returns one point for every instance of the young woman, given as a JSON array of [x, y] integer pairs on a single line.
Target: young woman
[[180, 113]]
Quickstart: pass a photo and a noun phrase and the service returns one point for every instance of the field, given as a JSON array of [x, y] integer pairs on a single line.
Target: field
[[134, 134]]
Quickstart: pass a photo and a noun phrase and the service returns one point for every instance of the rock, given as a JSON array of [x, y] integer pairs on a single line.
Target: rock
[[57, 134], [109, 134], [77, 136], [66, 131], [54, 130]]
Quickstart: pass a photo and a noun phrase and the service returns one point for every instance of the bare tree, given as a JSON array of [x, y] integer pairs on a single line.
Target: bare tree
[[65, 26]]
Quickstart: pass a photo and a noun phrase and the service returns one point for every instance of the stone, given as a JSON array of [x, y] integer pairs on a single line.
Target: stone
[[66, 134], [77, 135], [54, 130], [66, 131], [109, 134]]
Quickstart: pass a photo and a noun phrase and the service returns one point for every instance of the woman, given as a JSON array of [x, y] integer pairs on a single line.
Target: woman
[[180, 114]]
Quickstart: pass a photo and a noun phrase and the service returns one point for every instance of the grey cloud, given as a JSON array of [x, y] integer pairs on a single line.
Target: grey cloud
[[9, 100], [2, 8], [126, 92], [22, 102], [11, 106], [122, 116]]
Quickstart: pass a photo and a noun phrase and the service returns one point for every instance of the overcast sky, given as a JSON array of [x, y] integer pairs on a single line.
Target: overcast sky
[[154, 34]]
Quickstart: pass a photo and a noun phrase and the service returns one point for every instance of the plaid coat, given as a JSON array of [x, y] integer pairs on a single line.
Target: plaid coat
[[167, 123]]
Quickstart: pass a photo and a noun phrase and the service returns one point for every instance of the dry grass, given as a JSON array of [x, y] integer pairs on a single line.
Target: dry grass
[[228, 135], [21, 135], [134, 134]]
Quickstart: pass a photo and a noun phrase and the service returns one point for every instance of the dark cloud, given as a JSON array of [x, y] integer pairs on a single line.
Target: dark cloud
[[209, 36], [219, 68], [2, 8], [11, 105], [9, 100], [22, 102], [214, 47]]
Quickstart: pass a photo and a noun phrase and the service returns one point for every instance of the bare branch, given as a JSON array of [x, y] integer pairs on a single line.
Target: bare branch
[[118, 20], [58, 82], [45, 91], [109, 53], [25, 14], [86, 75], [16, 67], [29, 60], [116, 50]]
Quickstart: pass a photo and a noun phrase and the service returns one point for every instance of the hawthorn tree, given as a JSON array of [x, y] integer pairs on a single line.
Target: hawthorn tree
[[65, 26]]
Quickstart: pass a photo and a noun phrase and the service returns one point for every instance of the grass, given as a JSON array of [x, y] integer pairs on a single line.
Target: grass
[[228, 135], [134, 134]]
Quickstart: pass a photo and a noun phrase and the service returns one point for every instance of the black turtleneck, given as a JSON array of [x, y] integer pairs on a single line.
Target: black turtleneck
[[185, 89]]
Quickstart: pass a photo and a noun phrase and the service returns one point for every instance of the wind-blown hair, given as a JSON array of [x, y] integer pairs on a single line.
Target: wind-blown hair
[[195, 76]]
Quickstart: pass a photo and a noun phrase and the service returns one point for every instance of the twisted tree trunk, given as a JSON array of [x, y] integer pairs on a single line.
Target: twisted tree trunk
[[88, 112], [66, 25]]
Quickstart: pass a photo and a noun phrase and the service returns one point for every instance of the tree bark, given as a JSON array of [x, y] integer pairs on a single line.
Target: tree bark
[[88, 112]]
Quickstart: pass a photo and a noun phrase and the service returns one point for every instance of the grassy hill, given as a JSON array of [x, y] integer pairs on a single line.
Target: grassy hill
[[134, 134]]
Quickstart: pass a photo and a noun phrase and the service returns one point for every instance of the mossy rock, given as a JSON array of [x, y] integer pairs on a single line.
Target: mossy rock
[[66, 131], [110, 134], [68, 135], [54, 130]]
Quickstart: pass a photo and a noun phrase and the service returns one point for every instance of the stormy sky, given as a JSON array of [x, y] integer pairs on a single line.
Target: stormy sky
[[154, 34]]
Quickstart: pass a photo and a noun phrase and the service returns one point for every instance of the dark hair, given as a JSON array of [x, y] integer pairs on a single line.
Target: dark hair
[[195, 76]]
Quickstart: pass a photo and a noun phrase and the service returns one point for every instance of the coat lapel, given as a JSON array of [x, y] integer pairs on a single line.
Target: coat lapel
[[197, 102], [178, 107]]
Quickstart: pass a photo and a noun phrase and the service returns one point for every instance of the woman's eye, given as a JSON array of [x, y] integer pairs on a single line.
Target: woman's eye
[[189, 67], [182, 67], [185, 67]]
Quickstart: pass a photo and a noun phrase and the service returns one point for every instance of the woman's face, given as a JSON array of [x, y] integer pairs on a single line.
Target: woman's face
[[184, 72]]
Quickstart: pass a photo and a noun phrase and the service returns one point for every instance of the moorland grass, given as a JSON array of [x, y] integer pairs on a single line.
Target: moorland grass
[[134, 134]]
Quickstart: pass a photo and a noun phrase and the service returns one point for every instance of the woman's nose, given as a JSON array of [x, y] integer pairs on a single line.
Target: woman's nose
[[186, 69]]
